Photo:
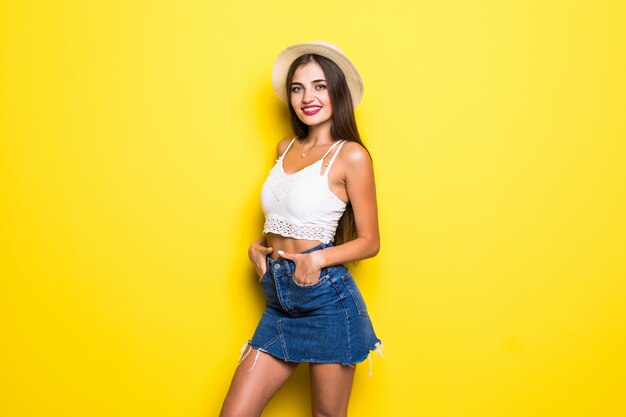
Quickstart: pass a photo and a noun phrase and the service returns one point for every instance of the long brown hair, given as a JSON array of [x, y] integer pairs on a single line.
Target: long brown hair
[[343, 126]]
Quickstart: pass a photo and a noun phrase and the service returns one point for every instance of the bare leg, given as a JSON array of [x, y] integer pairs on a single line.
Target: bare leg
[[250, 390], [331, 385]]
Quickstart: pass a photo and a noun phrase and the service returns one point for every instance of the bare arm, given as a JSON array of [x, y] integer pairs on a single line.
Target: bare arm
[[361, 191]]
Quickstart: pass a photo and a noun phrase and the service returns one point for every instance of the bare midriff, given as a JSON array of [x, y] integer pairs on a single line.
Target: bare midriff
[[288, 244]]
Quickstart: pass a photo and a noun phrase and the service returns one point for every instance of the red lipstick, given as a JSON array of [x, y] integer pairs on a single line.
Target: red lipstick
[[311, 110]]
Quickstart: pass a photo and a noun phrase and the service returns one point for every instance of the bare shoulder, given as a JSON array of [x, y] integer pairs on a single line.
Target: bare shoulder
[[354, 154], [282, 145]]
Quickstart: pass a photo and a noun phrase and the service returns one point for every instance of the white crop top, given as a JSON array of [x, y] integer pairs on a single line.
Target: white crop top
[[301, 205]]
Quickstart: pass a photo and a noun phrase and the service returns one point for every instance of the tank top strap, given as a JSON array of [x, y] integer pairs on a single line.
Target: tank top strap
[[330, 163], [330, 149], [288, 147]]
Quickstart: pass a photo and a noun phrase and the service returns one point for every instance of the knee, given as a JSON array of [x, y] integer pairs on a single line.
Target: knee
[[329, 413], [237, 412], [238, 409]]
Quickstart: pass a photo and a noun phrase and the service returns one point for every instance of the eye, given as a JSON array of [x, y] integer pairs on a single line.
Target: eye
[[295, 88], [320, 86]]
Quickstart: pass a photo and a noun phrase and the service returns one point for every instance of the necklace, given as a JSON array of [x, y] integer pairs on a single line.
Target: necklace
[[302, 154]]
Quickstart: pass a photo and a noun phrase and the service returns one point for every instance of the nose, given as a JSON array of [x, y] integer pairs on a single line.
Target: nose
[[307, 97]]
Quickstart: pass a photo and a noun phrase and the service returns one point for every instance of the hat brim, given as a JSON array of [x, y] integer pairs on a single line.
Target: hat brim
[[291, 53]]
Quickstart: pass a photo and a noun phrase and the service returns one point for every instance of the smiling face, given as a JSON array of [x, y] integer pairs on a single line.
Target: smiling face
[[309, 95]]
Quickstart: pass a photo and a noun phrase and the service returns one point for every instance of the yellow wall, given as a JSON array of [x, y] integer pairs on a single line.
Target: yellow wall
[[134, 140]]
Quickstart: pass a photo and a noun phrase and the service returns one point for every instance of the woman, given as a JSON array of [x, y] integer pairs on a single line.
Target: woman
[[320, 191]]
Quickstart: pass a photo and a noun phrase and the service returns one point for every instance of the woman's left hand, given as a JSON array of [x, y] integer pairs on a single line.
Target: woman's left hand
[[308, 266]]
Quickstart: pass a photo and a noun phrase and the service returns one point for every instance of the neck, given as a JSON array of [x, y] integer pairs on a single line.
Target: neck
[[319, 134]]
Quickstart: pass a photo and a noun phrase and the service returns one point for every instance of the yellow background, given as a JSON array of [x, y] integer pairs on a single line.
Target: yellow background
[[135, 136]]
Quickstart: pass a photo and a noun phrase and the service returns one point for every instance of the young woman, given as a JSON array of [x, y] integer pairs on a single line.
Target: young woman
[[320, 211]]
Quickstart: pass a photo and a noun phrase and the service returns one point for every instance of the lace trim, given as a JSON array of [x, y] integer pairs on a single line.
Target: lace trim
[[283, 228]]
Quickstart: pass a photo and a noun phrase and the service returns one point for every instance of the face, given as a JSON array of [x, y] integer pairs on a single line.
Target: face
[[309, 95]]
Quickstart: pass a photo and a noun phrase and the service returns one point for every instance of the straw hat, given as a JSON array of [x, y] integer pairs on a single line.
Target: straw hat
[[325, 49]]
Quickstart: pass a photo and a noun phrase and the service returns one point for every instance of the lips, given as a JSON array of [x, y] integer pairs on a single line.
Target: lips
[[311, 110]]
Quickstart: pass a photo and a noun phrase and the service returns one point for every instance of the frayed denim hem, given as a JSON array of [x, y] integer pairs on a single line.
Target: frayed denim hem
[[247, 348]]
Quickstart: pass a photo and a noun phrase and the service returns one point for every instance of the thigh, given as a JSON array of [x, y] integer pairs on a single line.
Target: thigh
[[331, 385], [255, 381]]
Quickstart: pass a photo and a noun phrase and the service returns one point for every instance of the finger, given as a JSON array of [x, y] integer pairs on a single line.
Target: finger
[[269, 249], [286, 255]]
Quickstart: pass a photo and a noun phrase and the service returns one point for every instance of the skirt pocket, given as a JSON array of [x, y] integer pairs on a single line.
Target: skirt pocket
[[264, 276], [322, 277], [311, 297]]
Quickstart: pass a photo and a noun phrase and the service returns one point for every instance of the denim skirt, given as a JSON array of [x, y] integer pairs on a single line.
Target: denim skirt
[[323, 322]]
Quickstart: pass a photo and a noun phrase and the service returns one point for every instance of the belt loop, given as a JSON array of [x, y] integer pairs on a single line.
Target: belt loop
[[287, 266]]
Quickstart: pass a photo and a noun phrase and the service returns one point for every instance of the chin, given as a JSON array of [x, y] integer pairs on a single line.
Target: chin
[[313, 121]]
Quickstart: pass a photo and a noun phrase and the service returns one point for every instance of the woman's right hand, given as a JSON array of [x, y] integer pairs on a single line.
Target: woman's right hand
[[257, 254]]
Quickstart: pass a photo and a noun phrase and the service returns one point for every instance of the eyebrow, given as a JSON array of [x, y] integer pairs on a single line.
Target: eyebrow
[[314, 81]]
